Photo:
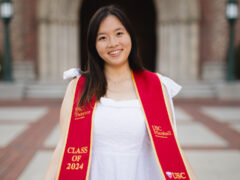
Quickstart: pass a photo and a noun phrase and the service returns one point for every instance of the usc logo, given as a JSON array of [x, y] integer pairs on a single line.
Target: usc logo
[[80, 114], [159, 132], [176, 175]]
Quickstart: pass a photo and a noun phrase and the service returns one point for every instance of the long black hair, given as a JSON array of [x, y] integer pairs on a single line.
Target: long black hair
[[96, 83]]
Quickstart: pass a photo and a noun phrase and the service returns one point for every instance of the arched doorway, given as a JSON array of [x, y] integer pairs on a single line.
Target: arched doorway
[[169, 36], [143, 18]]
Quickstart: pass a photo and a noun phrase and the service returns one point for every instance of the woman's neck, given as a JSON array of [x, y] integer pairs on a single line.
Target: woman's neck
[[117, 74], [119, 83]]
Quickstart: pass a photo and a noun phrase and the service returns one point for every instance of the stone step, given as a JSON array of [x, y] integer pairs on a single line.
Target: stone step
[[198, 90], [11, 91], [45, 90], [190, 90], [57, 90]]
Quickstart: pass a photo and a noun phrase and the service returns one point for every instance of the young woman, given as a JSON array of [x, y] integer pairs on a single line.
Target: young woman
[[110, 114]]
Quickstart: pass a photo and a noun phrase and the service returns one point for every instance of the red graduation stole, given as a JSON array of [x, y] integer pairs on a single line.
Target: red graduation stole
[[76, 158]]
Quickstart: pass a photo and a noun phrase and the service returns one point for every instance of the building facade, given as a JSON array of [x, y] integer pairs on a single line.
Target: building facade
[[186, 40]]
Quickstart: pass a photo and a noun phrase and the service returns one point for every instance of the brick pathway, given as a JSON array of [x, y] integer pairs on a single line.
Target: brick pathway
[[208, 130]]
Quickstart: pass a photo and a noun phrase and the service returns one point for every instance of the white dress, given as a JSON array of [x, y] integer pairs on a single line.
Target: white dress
[[121, 146]]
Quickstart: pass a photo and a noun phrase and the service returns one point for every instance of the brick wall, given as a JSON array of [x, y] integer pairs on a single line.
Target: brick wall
[[23, 29], [30, 30], [214, 30], [205, 29], [17, 31], [24, 37]]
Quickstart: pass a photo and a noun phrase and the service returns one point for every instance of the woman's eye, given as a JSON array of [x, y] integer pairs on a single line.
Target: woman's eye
[[119, 33], [102, 38]]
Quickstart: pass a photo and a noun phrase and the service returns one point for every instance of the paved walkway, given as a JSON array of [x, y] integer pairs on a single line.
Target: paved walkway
[[208, 130]]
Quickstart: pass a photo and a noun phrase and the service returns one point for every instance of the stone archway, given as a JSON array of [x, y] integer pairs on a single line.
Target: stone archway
[[59, 37], [177, 38]]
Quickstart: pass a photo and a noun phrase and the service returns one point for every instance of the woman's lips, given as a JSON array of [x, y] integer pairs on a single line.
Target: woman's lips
[[115, 52]]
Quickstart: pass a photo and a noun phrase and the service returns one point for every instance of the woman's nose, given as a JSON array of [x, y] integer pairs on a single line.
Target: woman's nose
[[112, 42]]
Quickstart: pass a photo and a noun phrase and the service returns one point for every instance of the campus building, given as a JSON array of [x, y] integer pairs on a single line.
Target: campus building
[[186, 40]]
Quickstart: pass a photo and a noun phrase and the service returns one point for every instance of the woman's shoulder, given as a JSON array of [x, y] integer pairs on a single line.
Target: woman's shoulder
[[72, 84], [172, 87], [70, 90], [73, 74]]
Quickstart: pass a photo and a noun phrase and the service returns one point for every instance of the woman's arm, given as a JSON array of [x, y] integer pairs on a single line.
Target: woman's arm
[[65, 112]]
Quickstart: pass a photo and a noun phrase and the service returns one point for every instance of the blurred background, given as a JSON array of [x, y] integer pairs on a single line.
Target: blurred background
[[194, 42]]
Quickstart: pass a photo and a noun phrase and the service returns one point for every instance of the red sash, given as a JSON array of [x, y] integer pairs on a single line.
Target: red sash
[[76, 158]]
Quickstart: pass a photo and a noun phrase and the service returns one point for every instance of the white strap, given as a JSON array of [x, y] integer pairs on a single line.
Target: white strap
[[71, 73]]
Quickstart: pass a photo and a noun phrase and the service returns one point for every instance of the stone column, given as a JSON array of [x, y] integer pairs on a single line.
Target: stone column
[[43, 50], [58, 49], [58, 38], [178, 39]]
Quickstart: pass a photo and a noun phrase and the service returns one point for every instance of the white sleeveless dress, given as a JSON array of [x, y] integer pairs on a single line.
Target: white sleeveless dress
[[121, 146]]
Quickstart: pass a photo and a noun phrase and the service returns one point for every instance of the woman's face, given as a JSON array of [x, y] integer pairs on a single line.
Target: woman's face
[[113, 42]]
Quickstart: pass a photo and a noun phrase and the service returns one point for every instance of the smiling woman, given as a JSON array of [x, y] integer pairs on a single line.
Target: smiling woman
[[110, 30], [117, 117], [113, 42]]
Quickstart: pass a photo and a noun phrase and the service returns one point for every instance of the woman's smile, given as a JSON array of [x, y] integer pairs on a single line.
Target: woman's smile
[[113, 42], [115, 53]]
